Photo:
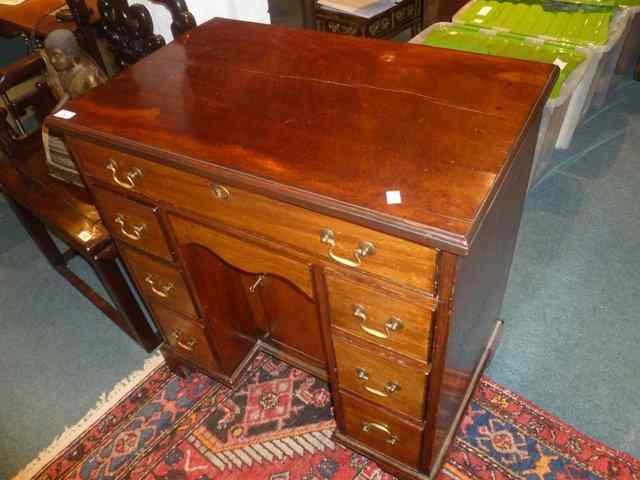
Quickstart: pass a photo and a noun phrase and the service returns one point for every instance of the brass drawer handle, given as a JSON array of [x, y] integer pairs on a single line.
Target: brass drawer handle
[[221, 193], [162, 291], [136, 232], [392, 325], [189, 346], [381, 427], [364, 249], [389, 387], [130, 176]]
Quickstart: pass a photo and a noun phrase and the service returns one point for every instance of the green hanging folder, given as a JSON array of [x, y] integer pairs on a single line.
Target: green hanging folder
[[584, 26]]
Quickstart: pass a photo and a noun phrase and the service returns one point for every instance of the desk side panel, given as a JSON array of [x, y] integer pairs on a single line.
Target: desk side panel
[[468, 314]]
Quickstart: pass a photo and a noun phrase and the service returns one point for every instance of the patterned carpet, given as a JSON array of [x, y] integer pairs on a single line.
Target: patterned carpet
[[277, 425]]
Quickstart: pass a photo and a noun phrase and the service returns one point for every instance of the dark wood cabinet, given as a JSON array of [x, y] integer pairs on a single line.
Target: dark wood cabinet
[[398, 17], [349, 206]]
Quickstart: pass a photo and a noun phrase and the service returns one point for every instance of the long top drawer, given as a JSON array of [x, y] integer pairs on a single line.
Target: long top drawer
[[336, 241]]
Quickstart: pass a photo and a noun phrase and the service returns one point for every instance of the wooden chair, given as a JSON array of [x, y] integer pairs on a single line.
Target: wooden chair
[[43, 203], [405, 14]]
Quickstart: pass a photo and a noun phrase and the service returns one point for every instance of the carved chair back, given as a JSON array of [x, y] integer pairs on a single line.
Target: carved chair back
[[128, 29]]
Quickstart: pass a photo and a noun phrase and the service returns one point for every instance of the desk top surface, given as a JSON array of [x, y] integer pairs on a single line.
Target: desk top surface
[[328, 122], [25, 16]]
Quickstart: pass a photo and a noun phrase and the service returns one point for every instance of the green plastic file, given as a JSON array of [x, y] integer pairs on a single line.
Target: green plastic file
[[578, 25], [469, 39]]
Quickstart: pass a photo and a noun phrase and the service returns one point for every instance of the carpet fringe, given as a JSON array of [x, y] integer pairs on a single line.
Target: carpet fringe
[[105, 402]]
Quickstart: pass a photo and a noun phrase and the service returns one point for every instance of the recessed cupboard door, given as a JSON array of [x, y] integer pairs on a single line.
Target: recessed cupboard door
[[292, 319], [226, 309], [247, 291]]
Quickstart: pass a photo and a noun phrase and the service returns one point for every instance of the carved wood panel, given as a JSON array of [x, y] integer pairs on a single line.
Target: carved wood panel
[[405, 14], [129, 28]]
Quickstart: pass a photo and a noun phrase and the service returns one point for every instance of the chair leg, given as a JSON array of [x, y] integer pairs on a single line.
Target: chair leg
[[58, 260], [128, 315], [38, 233], [415, 28], [131, 318], [308, 14]]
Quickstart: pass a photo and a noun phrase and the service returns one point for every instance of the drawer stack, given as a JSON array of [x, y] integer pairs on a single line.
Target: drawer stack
[[141, 239], [381, 336]]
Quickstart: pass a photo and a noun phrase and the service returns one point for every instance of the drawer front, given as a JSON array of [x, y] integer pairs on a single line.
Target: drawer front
[[382, 431], [131, 173], [335, 240], [186, 338], [380, 377], [160, 283], [385, 317], [132, 222]]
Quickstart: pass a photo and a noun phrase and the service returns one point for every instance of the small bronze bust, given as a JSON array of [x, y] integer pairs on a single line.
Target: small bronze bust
[[76, 70], [75, 73]]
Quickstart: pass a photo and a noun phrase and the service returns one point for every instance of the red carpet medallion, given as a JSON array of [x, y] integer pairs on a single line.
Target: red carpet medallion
[[277, 425]]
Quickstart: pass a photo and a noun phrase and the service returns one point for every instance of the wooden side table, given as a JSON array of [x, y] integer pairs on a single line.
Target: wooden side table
[[403, 15]]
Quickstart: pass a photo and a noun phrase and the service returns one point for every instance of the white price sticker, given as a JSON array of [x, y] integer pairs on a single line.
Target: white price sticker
[[65, 114], [484, 11], [560, 64], [393, 197], [85, 235]]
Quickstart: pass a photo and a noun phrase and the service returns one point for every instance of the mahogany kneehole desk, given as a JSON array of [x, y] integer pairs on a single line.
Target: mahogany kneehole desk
[[244, 172]]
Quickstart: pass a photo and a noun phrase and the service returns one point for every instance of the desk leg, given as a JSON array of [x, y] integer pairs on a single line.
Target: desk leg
[[174, 363]]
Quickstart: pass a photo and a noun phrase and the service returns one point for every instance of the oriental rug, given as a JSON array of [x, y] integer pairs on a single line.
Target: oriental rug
[[277, 425]]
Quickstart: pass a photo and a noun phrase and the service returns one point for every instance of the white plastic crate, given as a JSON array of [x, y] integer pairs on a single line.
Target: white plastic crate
[[607, 58], [630, 54]]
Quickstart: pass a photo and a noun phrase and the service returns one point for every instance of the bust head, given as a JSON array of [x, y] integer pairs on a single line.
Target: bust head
[[75, 71], [62, 49]]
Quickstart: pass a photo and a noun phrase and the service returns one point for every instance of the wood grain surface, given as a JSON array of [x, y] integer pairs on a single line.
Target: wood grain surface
[[330, 122], [406, 262]]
